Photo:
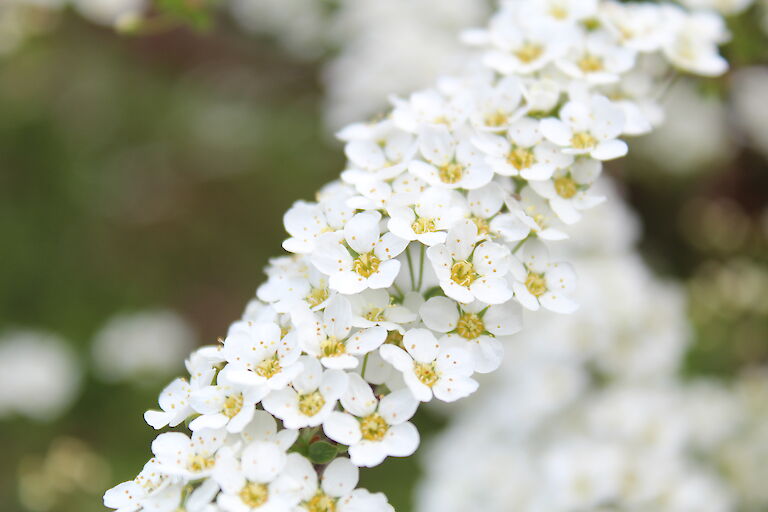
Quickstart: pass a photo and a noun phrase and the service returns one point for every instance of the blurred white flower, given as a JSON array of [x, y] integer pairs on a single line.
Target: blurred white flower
[[694, 135], [749, 96], [39, 375], [137, 345]]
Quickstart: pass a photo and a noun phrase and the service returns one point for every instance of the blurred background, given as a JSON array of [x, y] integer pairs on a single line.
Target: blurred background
[[143, 178]]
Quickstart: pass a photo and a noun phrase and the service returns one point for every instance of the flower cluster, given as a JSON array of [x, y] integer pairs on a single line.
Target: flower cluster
[[410, 274]]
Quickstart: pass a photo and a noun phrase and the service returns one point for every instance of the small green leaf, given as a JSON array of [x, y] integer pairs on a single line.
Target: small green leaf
[[322, 452]]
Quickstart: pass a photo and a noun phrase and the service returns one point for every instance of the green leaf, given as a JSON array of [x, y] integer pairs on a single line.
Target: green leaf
[[322, 452]]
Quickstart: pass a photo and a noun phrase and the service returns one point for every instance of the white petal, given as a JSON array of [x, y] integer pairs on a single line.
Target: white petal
[[398, 406], [402, 440], [340, 478], [342, 428], [454, 388], [421, 344], [439, 314]]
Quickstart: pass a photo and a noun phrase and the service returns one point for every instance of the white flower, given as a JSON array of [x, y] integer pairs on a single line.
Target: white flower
[[435, 211], [152, 489], [305, 222], [258, 356], [451, 161], [568, 192], [523, 152], [310, 399], [252, 480], [588, 127], [376, 152], [430, 108], [527, 47], [174, 400], [286, 290], [538, 281], [431, 370], [227, 403], [372, 265], [694, 45], [597, 61], [331, 339], [475, 327], [496, 106], [375, 308], [468, 271], [374, 429], [194, 458]]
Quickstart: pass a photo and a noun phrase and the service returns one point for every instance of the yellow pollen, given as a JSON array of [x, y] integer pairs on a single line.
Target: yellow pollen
[[583, 140], [332, 347], [320, 502], [496, 119], [311, 403], [232, 405], [558, 12], [521, 158], [451, 173], [591, 63], [317, 296], [529, 52], [375, 315], [536, 284], [566, 187], [373, 427], [426, 373], [268, 368], [395, 338], [254, 495], [463, 273], [366, 264], [423, 225], [470, 326], [198, 463], [483, 227]]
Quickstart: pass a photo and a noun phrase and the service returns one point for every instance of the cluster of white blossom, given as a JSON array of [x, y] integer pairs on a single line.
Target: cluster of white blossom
[[589, 411], [409, 275]]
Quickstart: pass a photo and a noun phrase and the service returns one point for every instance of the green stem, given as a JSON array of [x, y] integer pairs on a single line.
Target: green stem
[[365, 364], [410, 267], [421, 267]]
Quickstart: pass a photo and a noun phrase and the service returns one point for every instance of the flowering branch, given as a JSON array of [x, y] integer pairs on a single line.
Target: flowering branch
[[410, 274]]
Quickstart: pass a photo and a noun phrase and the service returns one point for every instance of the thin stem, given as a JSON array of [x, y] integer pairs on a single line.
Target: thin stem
[[365, 365], [410, 267], [421, 267], [520, 244]]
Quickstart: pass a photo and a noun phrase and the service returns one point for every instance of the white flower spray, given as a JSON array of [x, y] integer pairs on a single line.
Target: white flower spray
[[410, 274]]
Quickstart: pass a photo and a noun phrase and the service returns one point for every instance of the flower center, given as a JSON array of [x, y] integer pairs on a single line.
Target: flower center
[[268, 368], [470, 326], [521, 158], [591, 63], [317, 296], [198, 463], [395, 338], [426, 373], [583, 140], [483, 227], [463, 273], [423, 225], [451, 173], [536, 284], [373, 427], [311, 403], [566, 187], [366, 264], [496, 119], [254, 495], [529, 52], [375, 315], [320, 502], [558, 12], [232, 405], [332, 347]]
